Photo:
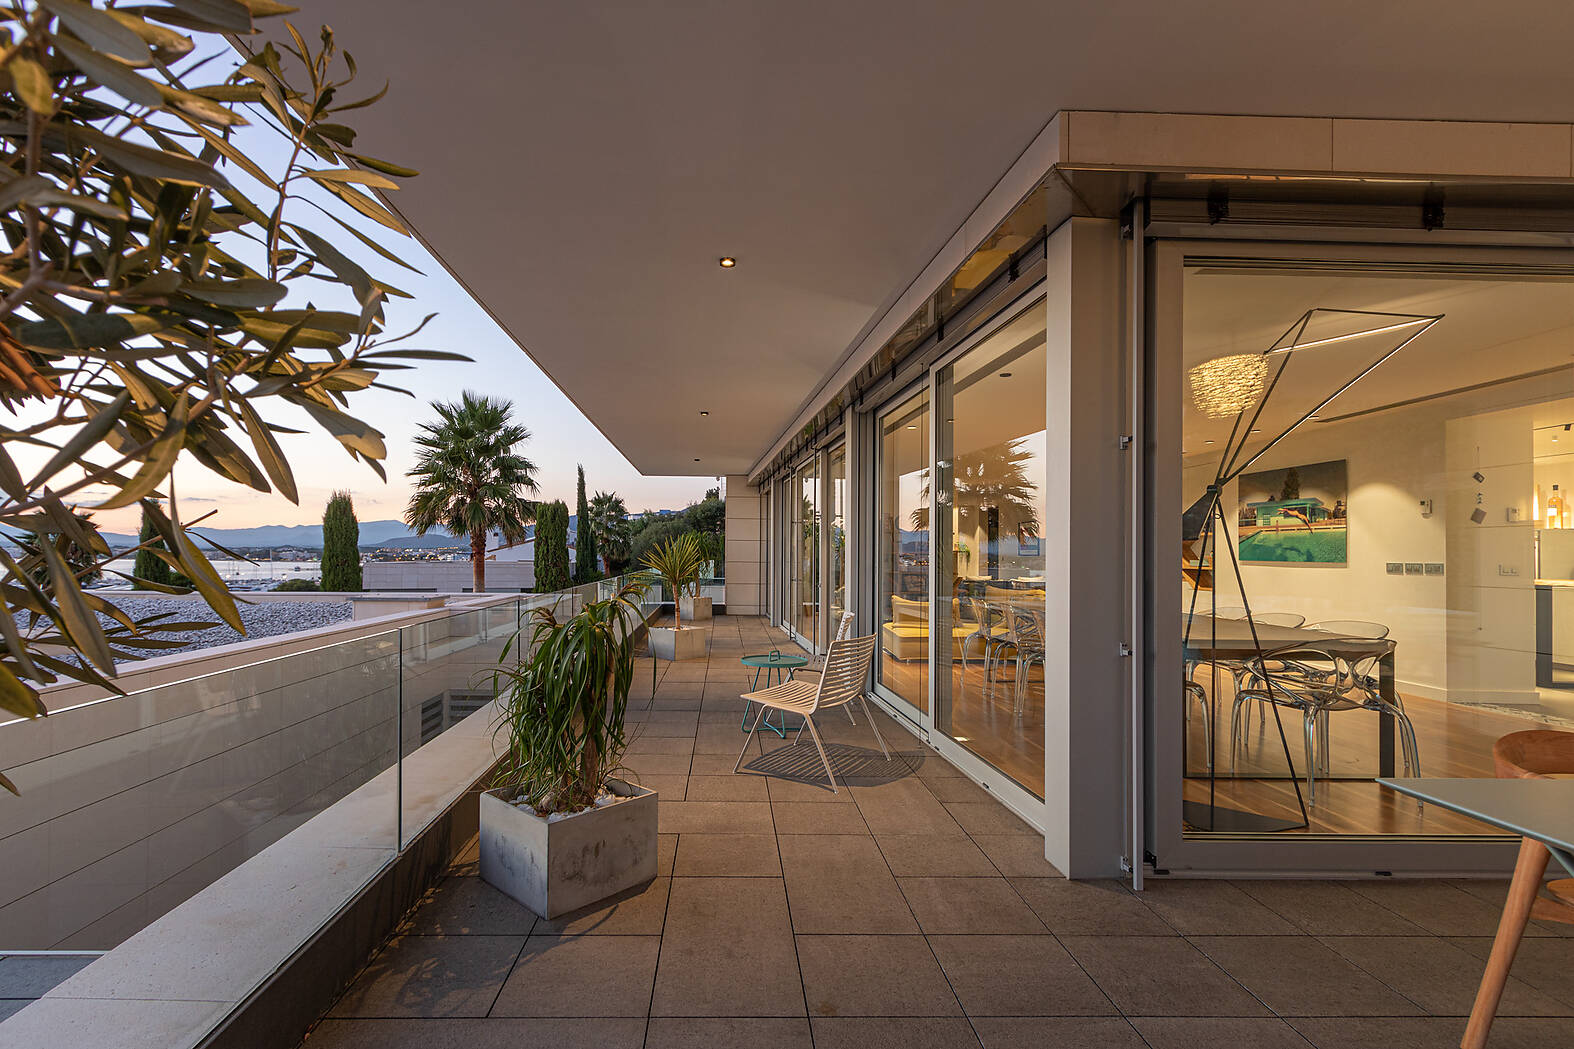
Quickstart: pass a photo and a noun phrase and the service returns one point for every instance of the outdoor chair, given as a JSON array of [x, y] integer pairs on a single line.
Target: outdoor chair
[[841, 683]]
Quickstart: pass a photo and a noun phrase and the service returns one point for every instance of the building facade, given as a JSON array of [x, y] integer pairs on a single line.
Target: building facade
[[1184, 415]]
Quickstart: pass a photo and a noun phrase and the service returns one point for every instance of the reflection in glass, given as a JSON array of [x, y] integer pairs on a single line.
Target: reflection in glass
[[990, 579], [803, 551], [837, 518], [902, 551], [1370, 582]]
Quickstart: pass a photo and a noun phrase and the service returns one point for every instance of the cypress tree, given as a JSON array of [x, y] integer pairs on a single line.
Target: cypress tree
[[341, 545], [551, 547], [148, 566], [585, 570]]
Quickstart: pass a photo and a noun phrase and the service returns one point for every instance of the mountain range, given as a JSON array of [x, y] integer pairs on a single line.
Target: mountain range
[[309, 536]]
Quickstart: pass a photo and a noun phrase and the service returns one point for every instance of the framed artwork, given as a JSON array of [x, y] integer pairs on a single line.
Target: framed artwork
[[1295, 515], [1028, 543]]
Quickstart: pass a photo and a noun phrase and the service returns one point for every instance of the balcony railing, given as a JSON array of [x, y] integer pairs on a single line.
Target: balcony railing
[[132, 804]]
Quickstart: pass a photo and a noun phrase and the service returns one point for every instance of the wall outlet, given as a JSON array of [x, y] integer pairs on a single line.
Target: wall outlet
[[1433, 568], [1512, 570], [1396, 568]]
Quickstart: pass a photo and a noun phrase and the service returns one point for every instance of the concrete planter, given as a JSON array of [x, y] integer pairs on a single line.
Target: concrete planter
[[691, 642], [554, 867], [695, 609]]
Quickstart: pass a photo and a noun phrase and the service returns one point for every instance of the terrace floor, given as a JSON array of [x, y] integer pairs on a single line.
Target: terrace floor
[[914, 911]]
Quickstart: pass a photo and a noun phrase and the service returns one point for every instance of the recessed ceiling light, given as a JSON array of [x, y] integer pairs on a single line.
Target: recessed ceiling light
[[727, 262], [696, 460], [1256, 431], [704, 413], [1005, 375], [912, 426], [1207, 442]]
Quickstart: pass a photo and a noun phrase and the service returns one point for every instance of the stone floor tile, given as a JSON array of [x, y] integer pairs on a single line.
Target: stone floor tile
[[1090, 908], [432, 976], [667, 787], [968, 905], [839, 883], [1328, 908], [716, 764], [796, 817], [660, 745], [799, 792], [1439, 907], [903, 807], [1192, 1032], [1204, 907], [873, 976], [465, 906], [727, 856], [491, 1033], [642, 766], [988, 817], [728, 951], [715, 817], [1061, 1032], [890, 1032], [1017, 855], [727, 1032], [1545, 962], [935, 856], [1387, 1032], [1297, 976], [1018, 976], [958, 788], [581, 975], [727, 788], [1160, 976], [1438, 976], [639, 911]]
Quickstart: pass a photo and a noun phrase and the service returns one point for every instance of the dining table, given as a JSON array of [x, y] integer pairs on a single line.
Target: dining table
[[1541, 812], [1223, 640]]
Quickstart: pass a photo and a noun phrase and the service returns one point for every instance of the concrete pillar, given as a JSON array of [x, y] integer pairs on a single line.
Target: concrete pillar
[[745, 567]]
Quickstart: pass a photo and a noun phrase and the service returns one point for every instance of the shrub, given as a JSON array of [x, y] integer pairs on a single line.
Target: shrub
[[551, 547], [341, 546], [294, 586]]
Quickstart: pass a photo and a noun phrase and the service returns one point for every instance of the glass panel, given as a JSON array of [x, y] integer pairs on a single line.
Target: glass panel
[[1377, 572], [803, 552], [130, 805], [991, 559], [902, 550], [836, 517]]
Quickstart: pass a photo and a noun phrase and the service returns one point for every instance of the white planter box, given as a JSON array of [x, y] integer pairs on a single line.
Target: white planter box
[[691, 642], [554, 867], [695, 609]]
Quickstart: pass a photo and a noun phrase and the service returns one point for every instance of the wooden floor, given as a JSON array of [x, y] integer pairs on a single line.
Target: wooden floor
[[1454, 739], [983, 720]]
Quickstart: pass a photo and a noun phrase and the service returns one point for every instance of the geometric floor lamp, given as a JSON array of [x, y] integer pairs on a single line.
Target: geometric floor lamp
[[1243, 385]]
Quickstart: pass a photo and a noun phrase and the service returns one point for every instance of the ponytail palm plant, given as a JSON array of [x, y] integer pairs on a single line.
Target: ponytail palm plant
[[563, 706], [469, 477], [679, 563]]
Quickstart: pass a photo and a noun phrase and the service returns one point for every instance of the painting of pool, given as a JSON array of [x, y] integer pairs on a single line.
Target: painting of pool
[[1323, 546]]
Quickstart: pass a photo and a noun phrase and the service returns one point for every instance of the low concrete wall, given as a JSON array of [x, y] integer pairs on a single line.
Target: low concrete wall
[[448, 576]]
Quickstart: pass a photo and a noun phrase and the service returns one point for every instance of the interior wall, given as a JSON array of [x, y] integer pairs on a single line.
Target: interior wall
[[1394, 460]]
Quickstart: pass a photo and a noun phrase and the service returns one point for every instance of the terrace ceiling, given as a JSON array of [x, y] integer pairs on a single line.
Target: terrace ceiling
[[585, 165]]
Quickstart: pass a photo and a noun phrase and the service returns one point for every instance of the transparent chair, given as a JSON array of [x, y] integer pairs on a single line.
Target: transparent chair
[[990, 629], [1028, 637], [1319, 682]]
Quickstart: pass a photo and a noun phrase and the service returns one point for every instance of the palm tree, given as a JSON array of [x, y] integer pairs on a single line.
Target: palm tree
[[469, 480], [609, 524]]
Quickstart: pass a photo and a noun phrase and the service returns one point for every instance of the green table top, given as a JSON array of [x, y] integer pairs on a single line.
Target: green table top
[[785, 660], [1542, 809]]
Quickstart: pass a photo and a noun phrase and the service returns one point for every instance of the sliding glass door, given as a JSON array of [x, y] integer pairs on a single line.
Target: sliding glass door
[[902, 464], [989, 600], [802, 547]]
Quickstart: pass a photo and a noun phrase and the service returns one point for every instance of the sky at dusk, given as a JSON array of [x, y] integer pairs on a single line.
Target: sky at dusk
[[562, 436]]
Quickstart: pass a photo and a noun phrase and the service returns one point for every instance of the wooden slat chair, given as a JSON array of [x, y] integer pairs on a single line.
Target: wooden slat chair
[[841, 682], [1532, 754]]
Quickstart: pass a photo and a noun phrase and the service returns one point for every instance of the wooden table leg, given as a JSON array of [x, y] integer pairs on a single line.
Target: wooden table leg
[[1386, 722], [1528, 872]]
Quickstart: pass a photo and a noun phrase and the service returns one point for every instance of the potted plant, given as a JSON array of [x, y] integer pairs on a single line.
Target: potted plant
[[560, 830], [678, 564]]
